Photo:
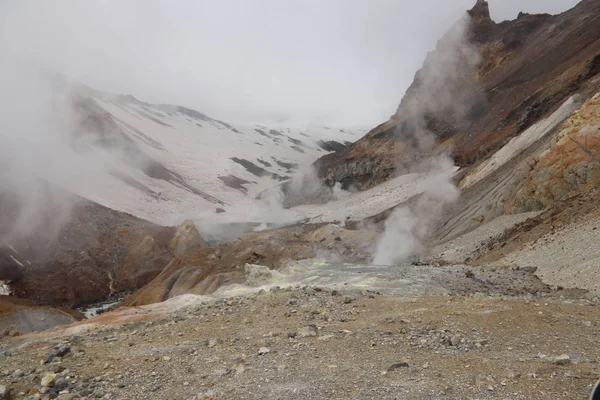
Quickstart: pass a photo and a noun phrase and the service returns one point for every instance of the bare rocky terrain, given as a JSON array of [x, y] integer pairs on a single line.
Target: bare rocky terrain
[[498, 296], [312, 342]]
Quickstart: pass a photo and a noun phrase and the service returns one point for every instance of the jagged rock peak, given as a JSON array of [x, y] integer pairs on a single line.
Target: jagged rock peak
[[481, 10], [483, 29]]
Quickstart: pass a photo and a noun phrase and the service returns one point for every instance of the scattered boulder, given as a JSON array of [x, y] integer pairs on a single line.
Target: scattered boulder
[[57, 352], [212, 342], [308, 331], [563, 359], [264, 351], [398, 365], [455, 340], [48, 380], [18, 374]]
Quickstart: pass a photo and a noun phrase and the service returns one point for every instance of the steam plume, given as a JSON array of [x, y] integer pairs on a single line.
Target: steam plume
[[444, 89]]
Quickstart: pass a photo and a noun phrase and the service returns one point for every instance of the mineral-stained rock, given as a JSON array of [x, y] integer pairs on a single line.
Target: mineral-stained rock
[[187, 238]]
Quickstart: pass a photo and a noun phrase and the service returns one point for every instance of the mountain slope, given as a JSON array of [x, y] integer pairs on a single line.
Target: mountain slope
[[552, 157], [171, 161], [527, 68]]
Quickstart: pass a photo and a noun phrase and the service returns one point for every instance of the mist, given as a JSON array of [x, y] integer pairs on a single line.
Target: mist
[[445, 86], [339, 62]]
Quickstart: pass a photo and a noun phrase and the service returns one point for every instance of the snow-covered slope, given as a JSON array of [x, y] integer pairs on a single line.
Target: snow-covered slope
[[192, 164]]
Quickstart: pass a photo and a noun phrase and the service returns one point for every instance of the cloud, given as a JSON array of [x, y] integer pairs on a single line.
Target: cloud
[[336, 61]]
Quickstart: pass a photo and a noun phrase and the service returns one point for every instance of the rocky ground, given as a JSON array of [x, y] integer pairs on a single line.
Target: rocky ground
[[313, 342]]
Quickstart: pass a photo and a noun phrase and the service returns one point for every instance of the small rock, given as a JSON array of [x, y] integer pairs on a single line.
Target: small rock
[[481, 380], [4, 393], [14, 333], [513, 374], [167, 358], [18, 374], [455, 340], [57, 352], [48, 380], [263, 351], [562, 360], [308, 331], [348, 300], [325, 337], [56, 368], [529, 269], [212, 342], [396, 366], [208, 395]]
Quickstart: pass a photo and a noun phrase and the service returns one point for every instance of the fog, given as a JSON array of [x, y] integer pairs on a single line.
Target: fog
[[341, 62]]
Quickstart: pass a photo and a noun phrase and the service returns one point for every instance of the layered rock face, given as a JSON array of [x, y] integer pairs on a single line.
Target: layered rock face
[[569, 166]]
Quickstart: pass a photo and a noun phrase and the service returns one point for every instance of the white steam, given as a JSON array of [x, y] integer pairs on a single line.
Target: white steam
[[445, 88], [407, 227], [273, 208], [46, 152]]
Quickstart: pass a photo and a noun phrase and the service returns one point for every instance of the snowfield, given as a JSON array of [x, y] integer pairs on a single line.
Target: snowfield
[[211, 171], [217, 165]]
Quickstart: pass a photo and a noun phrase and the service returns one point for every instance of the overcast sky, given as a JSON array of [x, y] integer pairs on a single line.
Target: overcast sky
[[343, 62]]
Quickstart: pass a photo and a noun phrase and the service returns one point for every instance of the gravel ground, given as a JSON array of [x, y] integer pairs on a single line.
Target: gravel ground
[[314, 343]]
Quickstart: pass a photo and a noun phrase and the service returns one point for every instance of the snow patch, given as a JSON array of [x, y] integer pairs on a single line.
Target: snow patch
[[17, 261], [4, 289]]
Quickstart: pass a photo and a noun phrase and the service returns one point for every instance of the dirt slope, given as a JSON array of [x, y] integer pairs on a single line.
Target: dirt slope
[[77, 251]]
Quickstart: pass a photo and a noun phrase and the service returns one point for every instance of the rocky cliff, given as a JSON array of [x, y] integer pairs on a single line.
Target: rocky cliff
[[513, 103], [526, 69]]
